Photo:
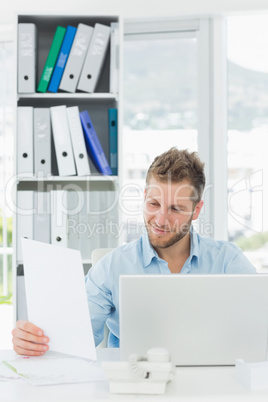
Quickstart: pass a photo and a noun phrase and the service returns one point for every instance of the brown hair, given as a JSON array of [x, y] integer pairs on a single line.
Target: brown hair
[[177, 165]]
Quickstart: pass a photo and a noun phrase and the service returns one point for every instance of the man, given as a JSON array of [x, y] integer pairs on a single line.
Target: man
[[174, 186]]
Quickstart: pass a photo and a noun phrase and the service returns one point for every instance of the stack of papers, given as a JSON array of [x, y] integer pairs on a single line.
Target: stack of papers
[[7, 375], [51, 370], [57, 303]]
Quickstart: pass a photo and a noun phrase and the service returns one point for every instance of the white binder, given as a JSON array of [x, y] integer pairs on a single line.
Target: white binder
[[108, 236], [114, 58], [89, 239], [112, 218], [103, 219], [26, 58], [42, 141], [76, 58], [78, 141], [95, 58], [59, 217], [41, 219], [25, 164], [62, 141], [75, 202], [24, 213]]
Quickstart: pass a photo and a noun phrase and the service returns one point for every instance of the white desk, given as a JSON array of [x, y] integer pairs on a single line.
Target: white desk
[[191, 384]]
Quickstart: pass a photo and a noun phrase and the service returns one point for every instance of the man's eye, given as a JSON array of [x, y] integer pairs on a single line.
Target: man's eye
[[154, 204], [176, 209]]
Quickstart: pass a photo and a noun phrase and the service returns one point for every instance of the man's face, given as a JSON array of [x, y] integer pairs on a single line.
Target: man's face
[[168, 211]]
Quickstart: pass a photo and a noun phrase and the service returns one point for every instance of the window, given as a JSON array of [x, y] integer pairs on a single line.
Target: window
[[247, 136], [160, 107]]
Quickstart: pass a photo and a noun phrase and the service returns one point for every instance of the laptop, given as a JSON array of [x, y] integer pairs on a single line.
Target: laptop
[[202, 320]]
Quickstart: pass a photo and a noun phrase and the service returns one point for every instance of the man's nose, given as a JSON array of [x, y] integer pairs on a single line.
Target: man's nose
[[162, 217]]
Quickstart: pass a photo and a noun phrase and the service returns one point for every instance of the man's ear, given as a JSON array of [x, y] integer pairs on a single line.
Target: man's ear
[[145, 193], [197, 209]]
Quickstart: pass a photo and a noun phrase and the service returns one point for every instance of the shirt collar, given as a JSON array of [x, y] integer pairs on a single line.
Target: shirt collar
[[194, 251], [149, 252]]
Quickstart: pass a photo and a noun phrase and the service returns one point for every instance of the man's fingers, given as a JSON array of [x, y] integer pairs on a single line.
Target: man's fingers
[[28, 339], [27, 352], [29, 346], [27, 336], [29, 327]]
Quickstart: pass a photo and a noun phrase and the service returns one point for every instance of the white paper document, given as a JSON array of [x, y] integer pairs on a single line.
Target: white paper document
[[7, 375], [46, 370], [56, 297]]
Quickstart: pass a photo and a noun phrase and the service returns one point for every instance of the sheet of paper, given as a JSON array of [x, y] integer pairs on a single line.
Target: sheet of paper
[[7, 375], [56, 297], [46, 371]]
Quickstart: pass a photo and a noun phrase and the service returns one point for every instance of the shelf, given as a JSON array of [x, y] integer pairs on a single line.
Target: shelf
[[86, 261], [48, 21], [62, 95], [95, 178]]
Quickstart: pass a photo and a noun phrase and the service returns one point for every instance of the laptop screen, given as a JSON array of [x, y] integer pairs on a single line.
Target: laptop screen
[[200, 319]]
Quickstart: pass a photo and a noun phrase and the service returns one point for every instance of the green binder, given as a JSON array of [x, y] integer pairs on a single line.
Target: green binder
[[51, 59]]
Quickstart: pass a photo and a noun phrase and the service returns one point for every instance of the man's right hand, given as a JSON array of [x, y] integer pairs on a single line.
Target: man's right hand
[[28, 339]]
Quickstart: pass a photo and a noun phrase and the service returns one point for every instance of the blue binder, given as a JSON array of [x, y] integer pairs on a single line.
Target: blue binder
[[93, 145], [112, 116], [62, 59]]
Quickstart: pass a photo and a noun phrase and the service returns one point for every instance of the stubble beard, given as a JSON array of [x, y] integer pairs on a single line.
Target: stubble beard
[[160, 243]]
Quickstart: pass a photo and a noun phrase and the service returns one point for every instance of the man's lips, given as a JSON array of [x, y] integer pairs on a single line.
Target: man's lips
[[159, 230]]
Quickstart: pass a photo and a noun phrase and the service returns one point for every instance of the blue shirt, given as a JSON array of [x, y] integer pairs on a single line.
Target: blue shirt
[[207, 256]]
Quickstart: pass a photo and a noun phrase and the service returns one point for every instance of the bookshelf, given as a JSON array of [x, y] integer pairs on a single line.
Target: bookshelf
[[79, 212]]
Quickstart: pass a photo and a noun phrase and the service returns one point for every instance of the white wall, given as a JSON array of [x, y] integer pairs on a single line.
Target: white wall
[[129, 9]]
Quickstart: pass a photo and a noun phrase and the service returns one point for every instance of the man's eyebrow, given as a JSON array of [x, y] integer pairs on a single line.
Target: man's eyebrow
[[150, 198], [154, 197]]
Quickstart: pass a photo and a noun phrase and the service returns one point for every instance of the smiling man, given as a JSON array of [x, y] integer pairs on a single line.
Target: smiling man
[[173, 199], [169, 209]]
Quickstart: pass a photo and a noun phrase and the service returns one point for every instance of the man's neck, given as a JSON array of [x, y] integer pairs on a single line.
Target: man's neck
[[177, 254]]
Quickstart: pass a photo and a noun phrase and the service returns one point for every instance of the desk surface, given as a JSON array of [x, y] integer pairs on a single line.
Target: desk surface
[[191, 384]]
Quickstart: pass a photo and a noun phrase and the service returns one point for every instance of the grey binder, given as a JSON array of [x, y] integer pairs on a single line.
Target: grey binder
[[42, 141], [41, 219], [76, 58], [25, 165], [22, 313], [114, 58], [75, 202], [24, 213], [95, 58], [26, 58], [59, 218]]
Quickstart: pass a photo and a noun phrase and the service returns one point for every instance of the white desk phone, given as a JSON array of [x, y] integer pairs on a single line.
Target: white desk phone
[[140, 375]]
